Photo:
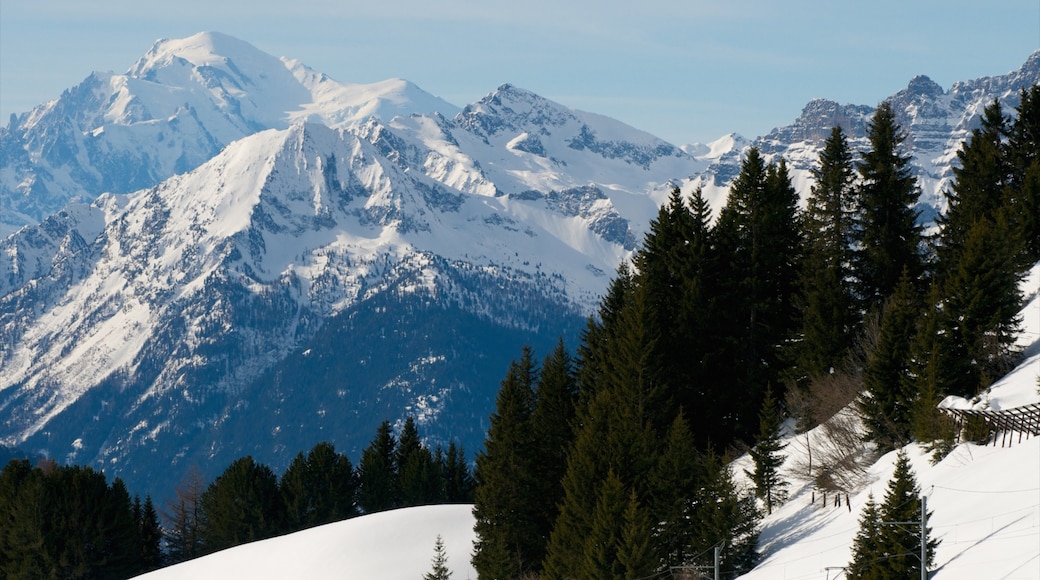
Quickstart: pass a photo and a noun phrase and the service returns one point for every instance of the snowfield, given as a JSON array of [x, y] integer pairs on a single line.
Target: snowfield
[[386, 545]]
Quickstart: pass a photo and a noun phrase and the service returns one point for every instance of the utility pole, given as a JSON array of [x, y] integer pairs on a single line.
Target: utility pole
[[718, 548], [924, 539]]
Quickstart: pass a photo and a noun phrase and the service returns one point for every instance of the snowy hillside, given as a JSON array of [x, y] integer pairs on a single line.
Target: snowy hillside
[[390, 545], [985, 503]]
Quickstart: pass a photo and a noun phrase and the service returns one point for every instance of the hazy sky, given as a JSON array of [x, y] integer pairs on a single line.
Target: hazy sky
[[684, 70]]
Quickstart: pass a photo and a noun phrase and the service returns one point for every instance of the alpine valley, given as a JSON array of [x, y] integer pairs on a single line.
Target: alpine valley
[[221, 253]]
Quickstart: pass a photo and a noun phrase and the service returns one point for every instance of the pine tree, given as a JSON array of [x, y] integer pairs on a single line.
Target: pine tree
[[420, 481], [674, 474], [600, 550], [318, 488], [759, 230], [887, 236], [1021, 200], [241, 505], [458, 481], [440, 569], [770, 486], [636, 553], [508, 544], [378, 481], [827, 308], [900, 537], [150, 536], [617, 429], [552, 425], [867, 546], [888, 391], [723, 516]]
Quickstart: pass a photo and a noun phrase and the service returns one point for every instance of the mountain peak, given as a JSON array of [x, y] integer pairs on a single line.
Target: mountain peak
[[923, 86], [202, 49]]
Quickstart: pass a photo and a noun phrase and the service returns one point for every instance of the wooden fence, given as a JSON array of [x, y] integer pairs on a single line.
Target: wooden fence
[[990, 425]]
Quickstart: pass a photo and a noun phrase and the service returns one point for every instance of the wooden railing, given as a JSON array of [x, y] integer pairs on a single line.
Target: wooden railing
[[990, 425]]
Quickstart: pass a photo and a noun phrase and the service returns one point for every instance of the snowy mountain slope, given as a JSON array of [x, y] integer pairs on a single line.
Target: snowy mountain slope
[[387, 545], [985, 499], [180, 104]]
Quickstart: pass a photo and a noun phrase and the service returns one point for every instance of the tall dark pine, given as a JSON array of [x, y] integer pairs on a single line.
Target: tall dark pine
[[889, 392], [552, 424], [379, 485], [419, 476], [828, 312], [614, 432], [241, 505], [888, 238], [458, 480], [318, 488], [149, 534], [508, 542], [1023, 147], [758, 230]]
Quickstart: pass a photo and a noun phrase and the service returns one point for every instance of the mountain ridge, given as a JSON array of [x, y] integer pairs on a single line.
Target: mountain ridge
[[152, 329]]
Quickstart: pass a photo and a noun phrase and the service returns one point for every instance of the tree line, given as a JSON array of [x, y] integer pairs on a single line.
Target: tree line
[[68, 522], [612, 463]]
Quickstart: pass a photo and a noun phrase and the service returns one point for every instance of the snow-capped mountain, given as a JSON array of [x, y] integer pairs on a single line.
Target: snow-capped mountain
[[174, 109], [259, 258]]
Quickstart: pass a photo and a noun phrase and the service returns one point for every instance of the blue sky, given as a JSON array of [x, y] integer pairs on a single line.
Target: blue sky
[[685, 70]]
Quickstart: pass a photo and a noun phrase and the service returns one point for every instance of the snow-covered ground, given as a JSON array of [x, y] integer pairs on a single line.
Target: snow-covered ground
[[985, 504], [390, 545]]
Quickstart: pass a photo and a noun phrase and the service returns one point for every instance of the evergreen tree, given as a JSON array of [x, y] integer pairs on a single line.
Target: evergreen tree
[[900, 537], [887, 235], [318, 488], [770, 486], [378, 482], [508, 544], [636, 553], [867, 554], [600, 557], [674, 474], [615, 431], [723, 516], [419, 476], [552, 426], [1021, 199], [241, 505], [458, 481], [759, 230], [149, 535], [828, 308], [440, 569]]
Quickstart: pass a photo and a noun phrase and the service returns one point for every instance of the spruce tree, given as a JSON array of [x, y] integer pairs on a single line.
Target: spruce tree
[[505, 508], [603, 541], [887, 235], [867, 552], [888, 391], [828, 313], [241, 505], [318, 488], [615, 433], [1022, 196], [770, 486], [149, 535], [419, 477], [900, 538], [636, 553], [758, 230], [552, 425], [458, 481], [378, 481], [440, 569]]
